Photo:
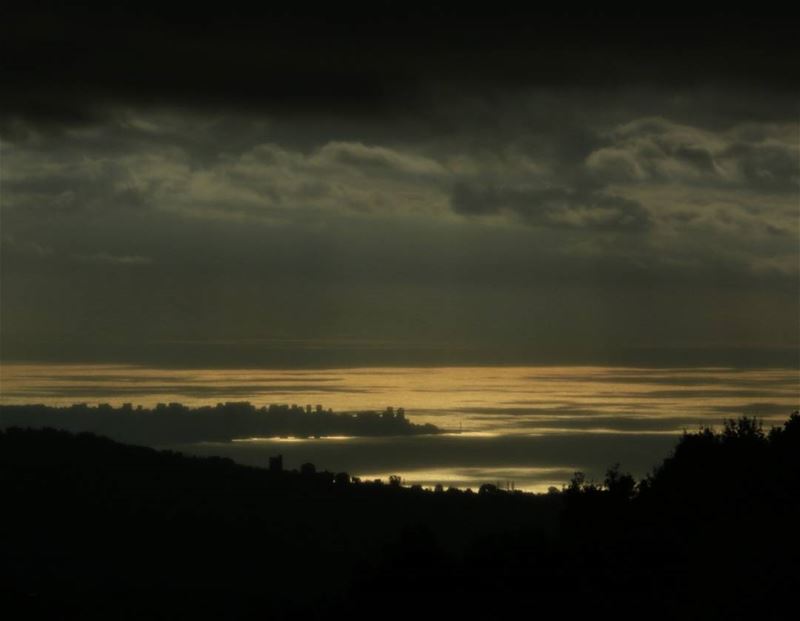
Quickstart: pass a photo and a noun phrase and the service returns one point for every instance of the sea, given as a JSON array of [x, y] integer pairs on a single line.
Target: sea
[[528, 428]]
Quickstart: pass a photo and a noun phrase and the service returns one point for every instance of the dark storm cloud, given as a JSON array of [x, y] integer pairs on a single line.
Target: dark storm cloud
[[554, 207], [68, 62], [771, 167], [122, 239], [657, 150], [482, 185]]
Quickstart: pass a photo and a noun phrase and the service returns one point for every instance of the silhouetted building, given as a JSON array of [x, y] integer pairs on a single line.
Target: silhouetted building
[[276, 463]]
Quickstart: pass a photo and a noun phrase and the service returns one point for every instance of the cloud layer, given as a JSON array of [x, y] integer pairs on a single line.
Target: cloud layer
[[406, 191], [430, 239]]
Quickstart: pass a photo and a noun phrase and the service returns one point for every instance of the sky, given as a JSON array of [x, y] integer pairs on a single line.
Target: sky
[[398, 184]]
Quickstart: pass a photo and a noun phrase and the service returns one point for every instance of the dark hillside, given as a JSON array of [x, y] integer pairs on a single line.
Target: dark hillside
[[96, 529]]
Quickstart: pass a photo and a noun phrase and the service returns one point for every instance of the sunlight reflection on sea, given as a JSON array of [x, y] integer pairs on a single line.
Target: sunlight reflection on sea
[[495, 418]]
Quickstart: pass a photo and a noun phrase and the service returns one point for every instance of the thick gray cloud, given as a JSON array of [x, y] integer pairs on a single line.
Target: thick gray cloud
[[516, 220], [553, 207]]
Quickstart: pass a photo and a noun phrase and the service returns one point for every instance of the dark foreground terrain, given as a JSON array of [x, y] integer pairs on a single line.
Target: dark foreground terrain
[[95, 529]]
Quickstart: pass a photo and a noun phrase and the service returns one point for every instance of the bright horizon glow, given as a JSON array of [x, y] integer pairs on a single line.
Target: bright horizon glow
[[475, 401], [500, 423]]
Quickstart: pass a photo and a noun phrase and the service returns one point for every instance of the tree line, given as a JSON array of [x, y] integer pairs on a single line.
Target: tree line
[[96, 529]]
